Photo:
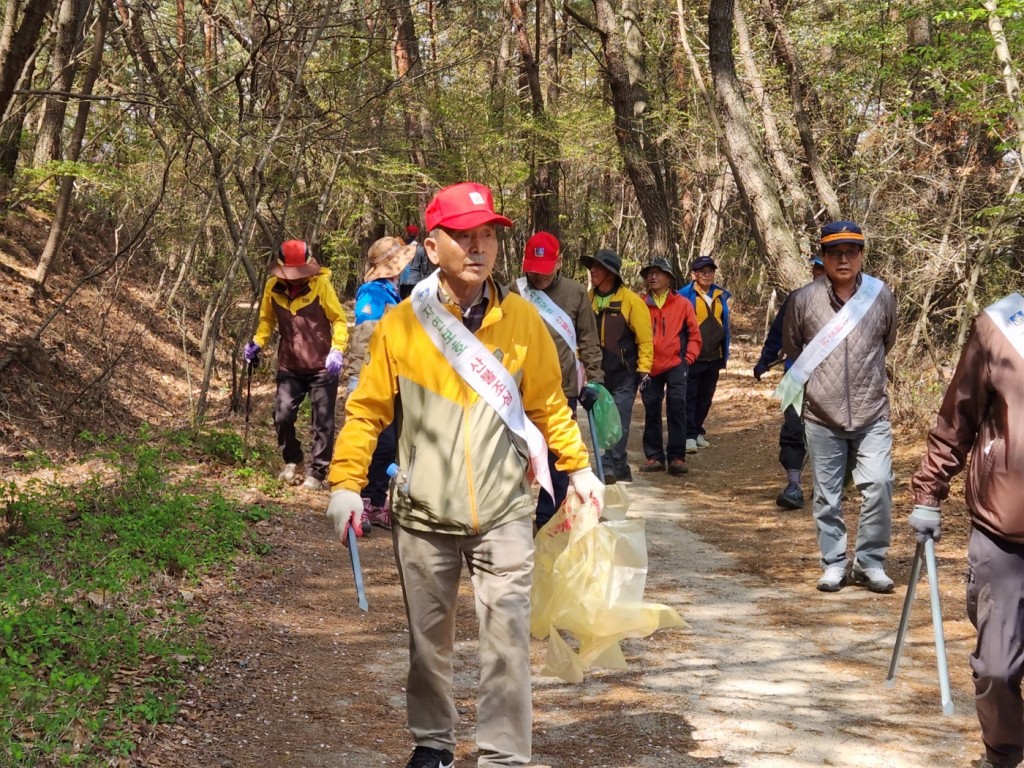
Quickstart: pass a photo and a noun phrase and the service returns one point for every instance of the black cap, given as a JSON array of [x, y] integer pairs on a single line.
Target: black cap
[[659, 262], [606, 258]]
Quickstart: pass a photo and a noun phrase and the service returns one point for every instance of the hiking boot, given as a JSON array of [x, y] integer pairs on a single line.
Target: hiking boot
[[625, 475], [874, 579], [792, 497], [652, 465], [610, 478], [833, 579], [428, 757], [365, 522], [314, 484], [677, 467], [702, 442], [288, 473], [691, 446], [379, 516]]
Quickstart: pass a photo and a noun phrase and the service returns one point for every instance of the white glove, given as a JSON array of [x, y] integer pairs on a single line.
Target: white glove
[[345, 509], [586, 485]]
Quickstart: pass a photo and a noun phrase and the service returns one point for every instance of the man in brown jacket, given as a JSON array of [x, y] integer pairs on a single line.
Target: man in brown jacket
[[838, 331], [982, 415], [573, 326]]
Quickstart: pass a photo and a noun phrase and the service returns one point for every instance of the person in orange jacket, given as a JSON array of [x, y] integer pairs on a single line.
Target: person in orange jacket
[[677, 344]]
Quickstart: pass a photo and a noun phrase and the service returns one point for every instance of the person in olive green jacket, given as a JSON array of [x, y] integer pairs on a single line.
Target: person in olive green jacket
[[627, 346], [565, 307]]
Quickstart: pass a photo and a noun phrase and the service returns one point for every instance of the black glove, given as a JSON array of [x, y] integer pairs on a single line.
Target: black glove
[[588, 397], [760, 370]]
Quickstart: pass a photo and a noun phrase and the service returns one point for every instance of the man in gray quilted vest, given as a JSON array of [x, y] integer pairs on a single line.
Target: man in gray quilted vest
[[839, 330]]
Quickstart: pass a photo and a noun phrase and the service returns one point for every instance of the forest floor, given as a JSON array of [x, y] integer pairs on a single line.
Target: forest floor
[[768, 672]]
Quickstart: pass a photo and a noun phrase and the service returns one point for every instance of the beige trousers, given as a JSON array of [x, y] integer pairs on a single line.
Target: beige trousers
[[500, 564]]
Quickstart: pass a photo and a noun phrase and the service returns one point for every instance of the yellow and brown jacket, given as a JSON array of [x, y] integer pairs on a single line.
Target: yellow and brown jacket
[[462, 470], [311, 324]]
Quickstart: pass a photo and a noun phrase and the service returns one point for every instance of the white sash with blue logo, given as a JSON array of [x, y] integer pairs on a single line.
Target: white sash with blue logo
[[481, 370], [791, 389], [1008, 315]]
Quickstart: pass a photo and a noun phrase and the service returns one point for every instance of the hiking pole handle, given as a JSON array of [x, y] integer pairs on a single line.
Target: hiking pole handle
[[357, 569], [908, 603], [940, 640]]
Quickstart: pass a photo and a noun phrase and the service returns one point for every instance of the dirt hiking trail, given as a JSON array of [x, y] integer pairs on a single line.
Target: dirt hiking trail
[[769, 672]]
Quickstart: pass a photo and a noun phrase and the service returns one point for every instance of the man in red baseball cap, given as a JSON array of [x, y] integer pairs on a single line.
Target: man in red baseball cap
[[474, 375], [565, 307]]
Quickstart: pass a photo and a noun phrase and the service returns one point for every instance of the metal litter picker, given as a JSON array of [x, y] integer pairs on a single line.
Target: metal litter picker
[[925, 552]]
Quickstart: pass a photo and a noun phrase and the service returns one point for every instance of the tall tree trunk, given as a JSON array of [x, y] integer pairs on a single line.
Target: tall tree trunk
[[799, 207], [19, 59], [757, 187], [995, 27], [58, 225], [800, 94], [647, 166], [63, 63], [543, 183], [408, 69]]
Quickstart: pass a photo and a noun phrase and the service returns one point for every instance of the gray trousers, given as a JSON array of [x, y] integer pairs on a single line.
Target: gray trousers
[[500, 564], [995, 584], [867, 453]]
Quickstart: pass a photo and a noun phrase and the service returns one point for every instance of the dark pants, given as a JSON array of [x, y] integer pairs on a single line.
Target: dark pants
[[377, 478], [700, 391], [669, 386], [995, 583], [791, 440], [323, 394], [624, 394], [546, 506]]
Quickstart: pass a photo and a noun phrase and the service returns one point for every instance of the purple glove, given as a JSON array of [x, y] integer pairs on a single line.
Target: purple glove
[[252, 353], [335, 361]]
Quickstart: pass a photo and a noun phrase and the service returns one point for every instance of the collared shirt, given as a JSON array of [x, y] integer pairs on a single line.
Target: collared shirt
[[472, 316]]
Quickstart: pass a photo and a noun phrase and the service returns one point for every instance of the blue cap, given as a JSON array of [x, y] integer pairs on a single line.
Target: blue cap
[[816, 261], [838, 232], [703, 261]]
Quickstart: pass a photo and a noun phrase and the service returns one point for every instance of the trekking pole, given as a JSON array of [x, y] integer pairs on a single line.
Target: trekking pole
[[597, 450], [940, 639], [925, 551], [357, 569], [248, 410]]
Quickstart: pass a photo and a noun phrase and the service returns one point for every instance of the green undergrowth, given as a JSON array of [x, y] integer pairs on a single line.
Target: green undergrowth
[[97, 630]]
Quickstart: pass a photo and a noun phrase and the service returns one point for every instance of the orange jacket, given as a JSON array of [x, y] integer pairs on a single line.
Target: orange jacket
[[676, 333]]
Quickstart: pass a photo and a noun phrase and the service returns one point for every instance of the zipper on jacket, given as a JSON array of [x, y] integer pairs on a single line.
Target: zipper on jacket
[[474, 518]]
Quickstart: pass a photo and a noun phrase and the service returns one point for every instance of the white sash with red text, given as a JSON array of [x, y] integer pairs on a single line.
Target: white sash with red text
[[481, 370], [557, 318]]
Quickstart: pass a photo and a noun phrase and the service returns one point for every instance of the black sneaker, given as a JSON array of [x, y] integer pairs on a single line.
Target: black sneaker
[[792, 497], [625, 476], [428, 757], [610, 478], [652, 465]]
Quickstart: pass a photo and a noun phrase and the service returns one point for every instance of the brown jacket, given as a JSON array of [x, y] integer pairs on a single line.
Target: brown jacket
[[982, 414], [572, 298], [847, 390]]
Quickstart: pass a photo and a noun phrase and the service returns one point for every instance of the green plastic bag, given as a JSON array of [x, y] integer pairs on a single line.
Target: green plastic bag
[[606, 418]]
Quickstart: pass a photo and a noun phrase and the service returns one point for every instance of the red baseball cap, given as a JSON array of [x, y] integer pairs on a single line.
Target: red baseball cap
[[463, 206], [541, 253], [293, 261]]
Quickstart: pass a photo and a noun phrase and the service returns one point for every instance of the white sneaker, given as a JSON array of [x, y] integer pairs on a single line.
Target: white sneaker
[[702, 442], [691, 446], [833, 579], [875, 579], [313, 484], [288, 473]]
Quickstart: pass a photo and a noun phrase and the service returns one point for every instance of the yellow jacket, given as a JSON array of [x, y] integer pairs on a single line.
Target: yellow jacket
[[462, 470], [627, 336], [311, 324]]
